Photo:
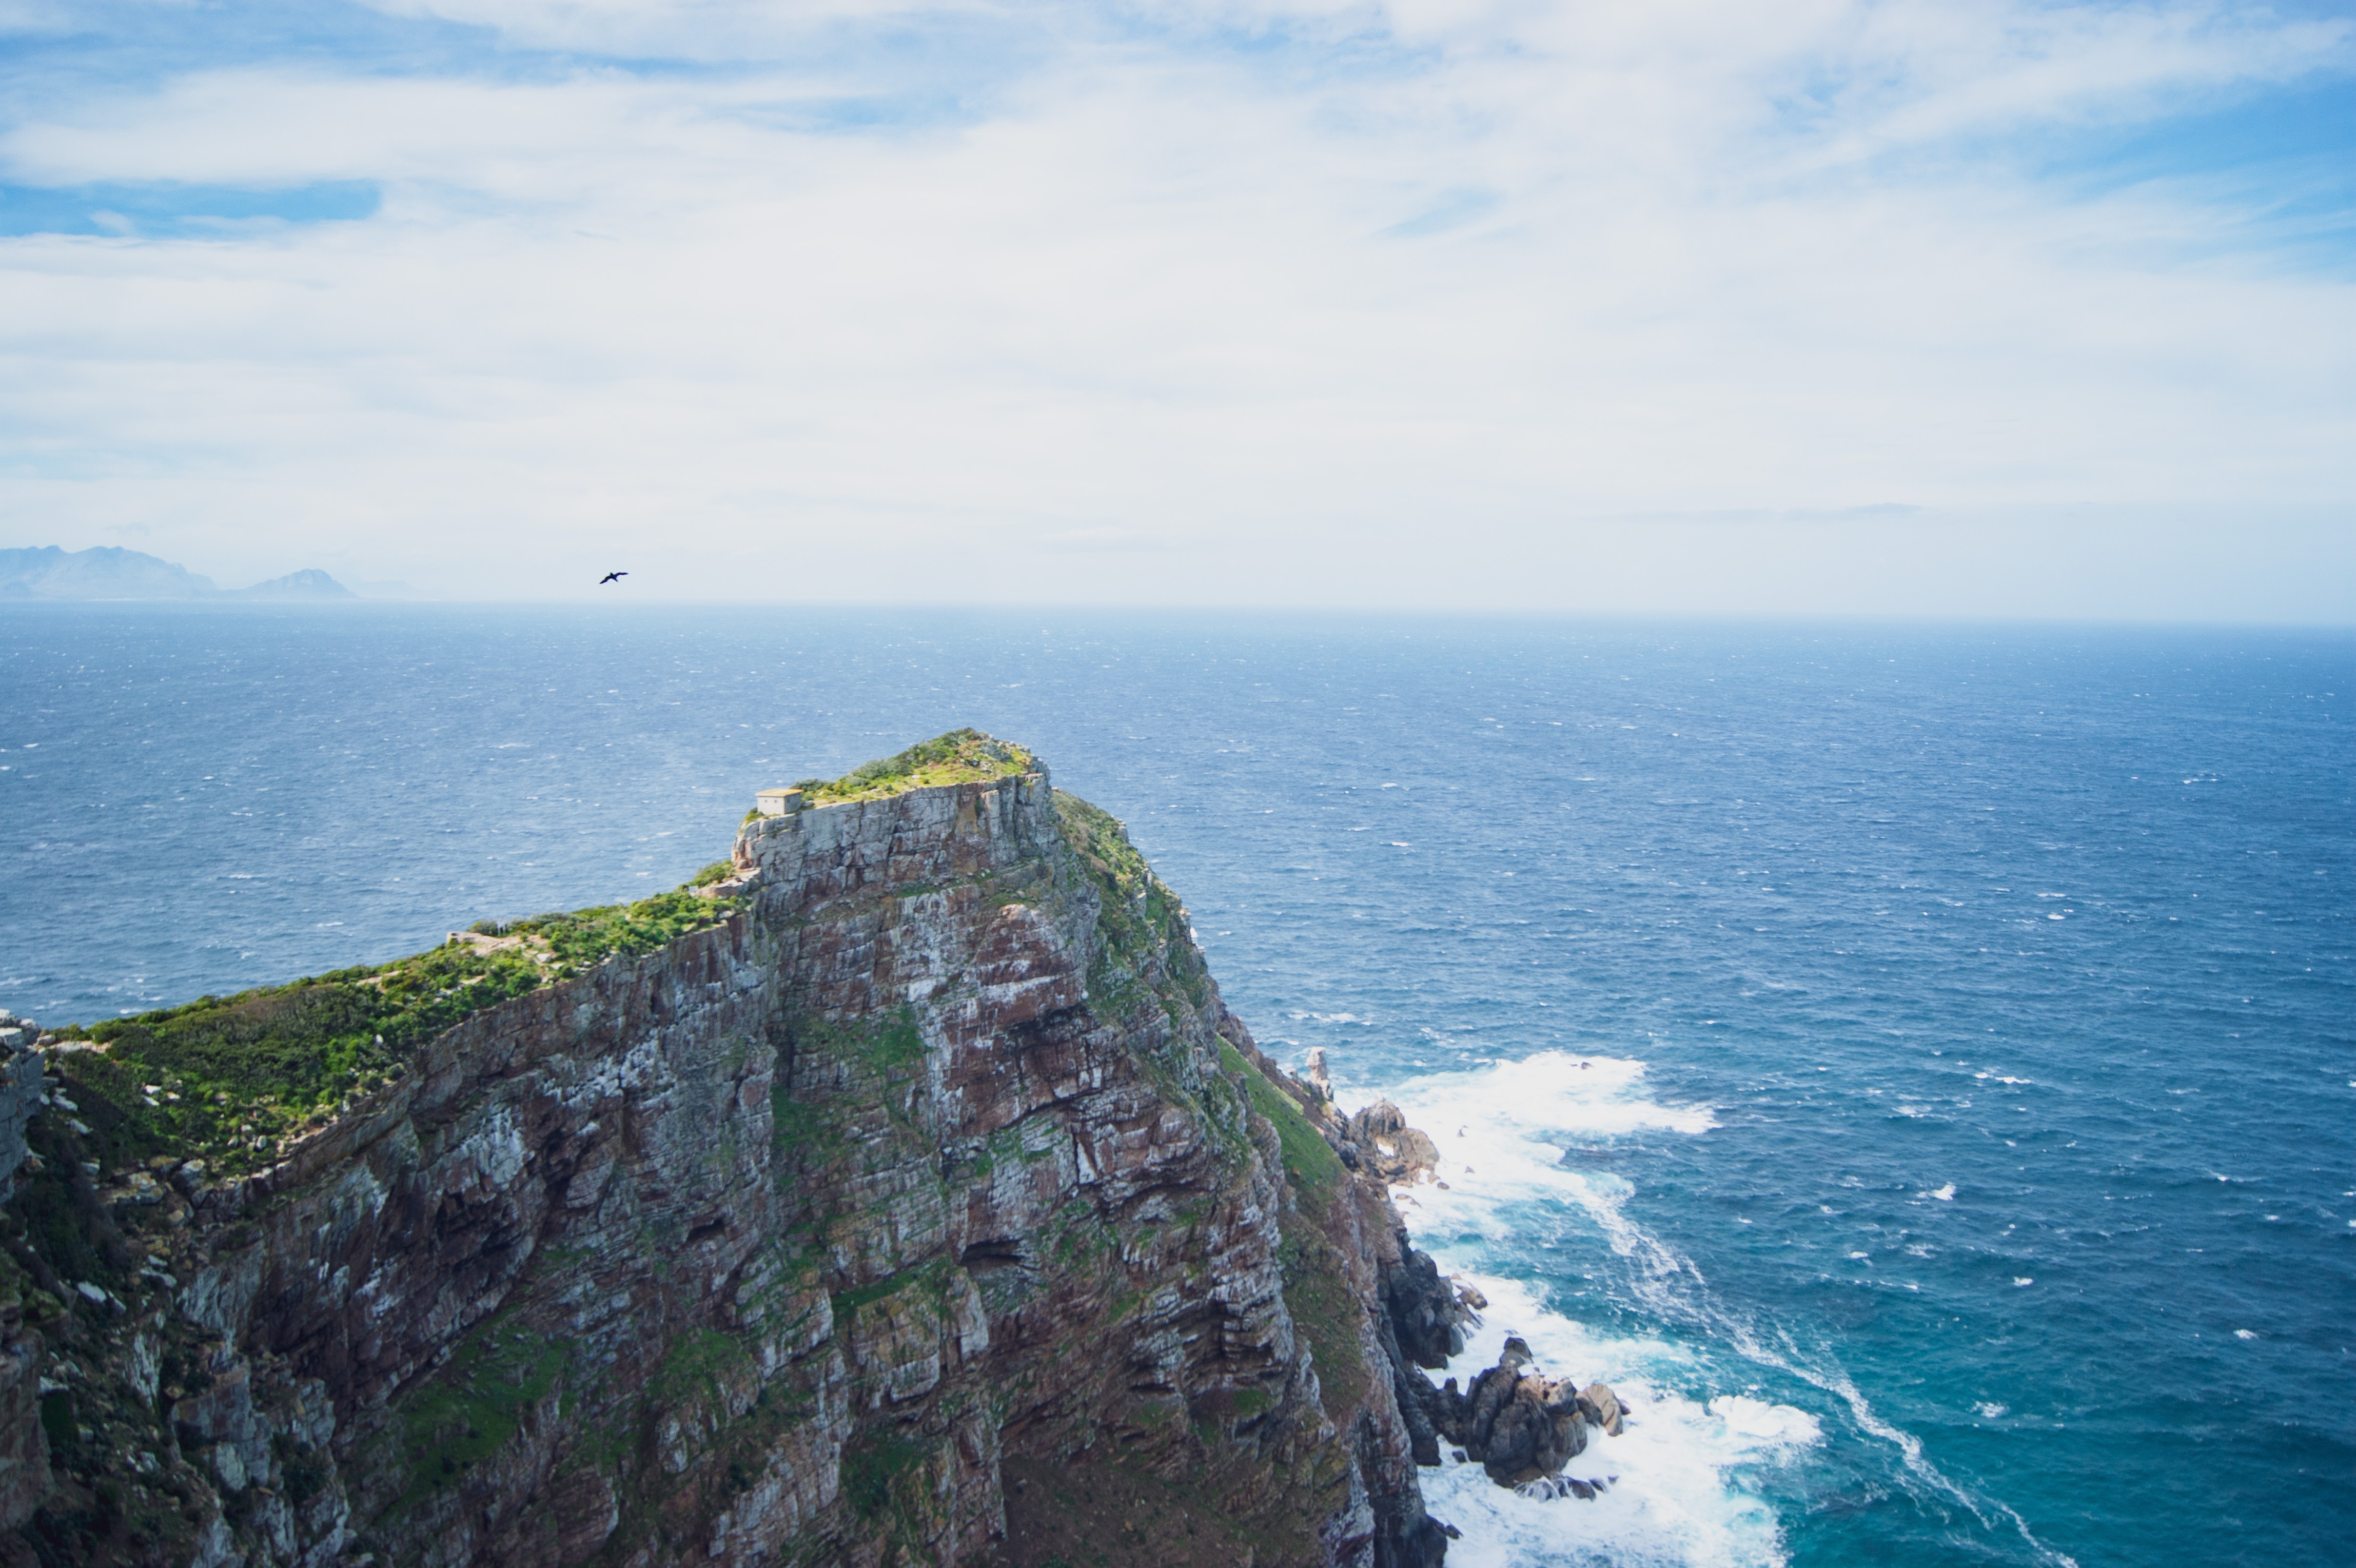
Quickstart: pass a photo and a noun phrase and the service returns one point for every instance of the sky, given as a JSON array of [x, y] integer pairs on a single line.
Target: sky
[[1848, 307]]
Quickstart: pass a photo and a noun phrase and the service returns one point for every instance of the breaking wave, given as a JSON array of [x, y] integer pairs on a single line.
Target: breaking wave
[[1682, 1480]]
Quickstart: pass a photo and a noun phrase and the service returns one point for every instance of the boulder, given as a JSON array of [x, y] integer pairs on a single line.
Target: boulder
[[1388, 1146], [1521, 1426], [1600, 1407], [1531, 1427]]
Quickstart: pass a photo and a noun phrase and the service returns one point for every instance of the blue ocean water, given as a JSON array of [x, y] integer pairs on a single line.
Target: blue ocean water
[[1918, 1065]]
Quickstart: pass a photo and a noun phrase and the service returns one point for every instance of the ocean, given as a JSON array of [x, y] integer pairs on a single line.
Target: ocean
[[1916, 1066]]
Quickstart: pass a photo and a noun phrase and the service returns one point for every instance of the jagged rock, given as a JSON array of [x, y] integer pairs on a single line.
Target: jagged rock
[[1388, 1146], [1600, 1407], [1428, 1315], [1520, 1426], [1547, 1488], [1523, 1426]]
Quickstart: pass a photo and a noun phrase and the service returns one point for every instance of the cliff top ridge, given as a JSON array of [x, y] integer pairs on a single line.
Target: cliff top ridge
[[238, 1080], [960, 757]]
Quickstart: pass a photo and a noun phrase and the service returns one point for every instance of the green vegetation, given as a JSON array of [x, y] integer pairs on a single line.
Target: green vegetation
[[1327, 1312], [891, 1046], [872, 1465], [933, 1277], [960, 756], [66, 1227], [798, 1129], [469, 1411], [1324, 1308], [806, 1132], [696, 1366], [1310, 1163], [1139, 915], [233, 1079]]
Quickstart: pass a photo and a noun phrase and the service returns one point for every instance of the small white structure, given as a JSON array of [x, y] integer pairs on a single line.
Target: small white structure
[[778, 802]]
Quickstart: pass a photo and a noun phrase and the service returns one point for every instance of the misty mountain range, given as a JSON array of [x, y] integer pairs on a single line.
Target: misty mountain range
[[109, 572]]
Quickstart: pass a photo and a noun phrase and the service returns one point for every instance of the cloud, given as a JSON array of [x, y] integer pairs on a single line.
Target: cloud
[[1448, 302], [1116, 541]]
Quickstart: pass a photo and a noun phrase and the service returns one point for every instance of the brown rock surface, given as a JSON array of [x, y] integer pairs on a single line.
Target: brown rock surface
[[938, 1164], [1601, 1408], [1387, 1146]]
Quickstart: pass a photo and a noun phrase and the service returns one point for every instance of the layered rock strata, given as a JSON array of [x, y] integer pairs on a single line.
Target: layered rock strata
[[928, 1208]]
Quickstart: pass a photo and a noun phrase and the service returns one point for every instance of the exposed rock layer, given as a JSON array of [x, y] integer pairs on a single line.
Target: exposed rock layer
[[940, 1161]]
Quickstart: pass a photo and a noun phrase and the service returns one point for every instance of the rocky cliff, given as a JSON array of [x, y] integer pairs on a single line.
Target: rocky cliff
[[926, 1205]]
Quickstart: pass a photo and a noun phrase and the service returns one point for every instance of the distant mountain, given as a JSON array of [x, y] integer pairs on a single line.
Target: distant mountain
[[312, 583], [105, 572], [109, 572]]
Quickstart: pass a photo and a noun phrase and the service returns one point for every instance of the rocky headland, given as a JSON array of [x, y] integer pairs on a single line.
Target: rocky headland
[[901, 1192]]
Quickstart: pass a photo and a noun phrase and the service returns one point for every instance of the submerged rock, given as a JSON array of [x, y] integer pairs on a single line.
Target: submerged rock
[[1547, 1488]]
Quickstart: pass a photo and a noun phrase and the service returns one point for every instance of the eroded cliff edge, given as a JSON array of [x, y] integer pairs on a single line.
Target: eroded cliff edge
[[928, 1205]]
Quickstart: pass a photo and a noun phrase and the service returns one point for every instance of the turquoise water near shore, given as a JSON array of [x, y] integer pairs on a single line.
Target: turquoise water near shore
[[1918, 1065]]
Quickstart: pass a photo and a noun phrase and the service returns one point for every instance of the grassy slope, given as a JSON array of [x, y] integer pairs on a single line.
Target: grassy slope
[[960, 756], [231, 1078]]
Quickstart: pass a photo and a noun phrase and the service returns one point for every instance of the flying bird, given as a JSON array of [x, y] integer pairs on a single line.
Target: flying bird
[[611, 577]]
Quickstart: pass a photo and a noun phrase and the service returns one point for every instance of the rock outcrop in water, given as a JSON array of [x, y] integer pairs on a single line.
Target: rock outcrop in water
[[927, 1206], [1519, 1425]]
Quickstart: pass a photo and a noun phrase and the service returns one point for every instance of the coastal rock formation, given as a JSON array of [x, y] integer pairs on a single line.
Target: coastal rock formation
[[1378, 1140], [1427, 1315], [927, 1204], [1521, 1427], [1547, 1488], [1601, 1408]]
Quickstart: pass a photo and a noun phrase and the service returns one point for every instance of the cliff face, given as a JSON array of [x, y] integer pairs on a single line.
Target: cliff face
[[929, 1208]]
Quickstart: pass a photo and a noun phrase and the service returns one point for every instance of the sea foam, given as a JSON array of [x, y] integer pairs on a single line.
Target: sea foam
[[1684, 1494], [1673, 1491], [1676, 1489]]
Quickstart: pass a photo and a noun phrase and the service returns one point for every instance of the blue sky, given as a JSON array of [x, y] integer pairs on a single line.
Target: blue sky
[[1911, 308]]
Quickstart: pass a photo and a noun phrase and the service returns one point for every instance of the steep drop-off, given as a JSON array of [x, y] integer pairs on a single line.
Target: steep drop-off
[[927, 1204]]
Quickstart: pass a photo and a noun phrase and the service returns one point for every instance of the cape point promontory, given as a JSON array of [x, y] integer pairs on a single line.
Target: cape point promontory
[[900, 1191]]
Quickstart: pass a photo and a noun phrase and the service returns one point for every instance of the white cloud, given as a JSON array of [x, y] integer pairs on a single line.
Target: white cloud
[[1447, 304]]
